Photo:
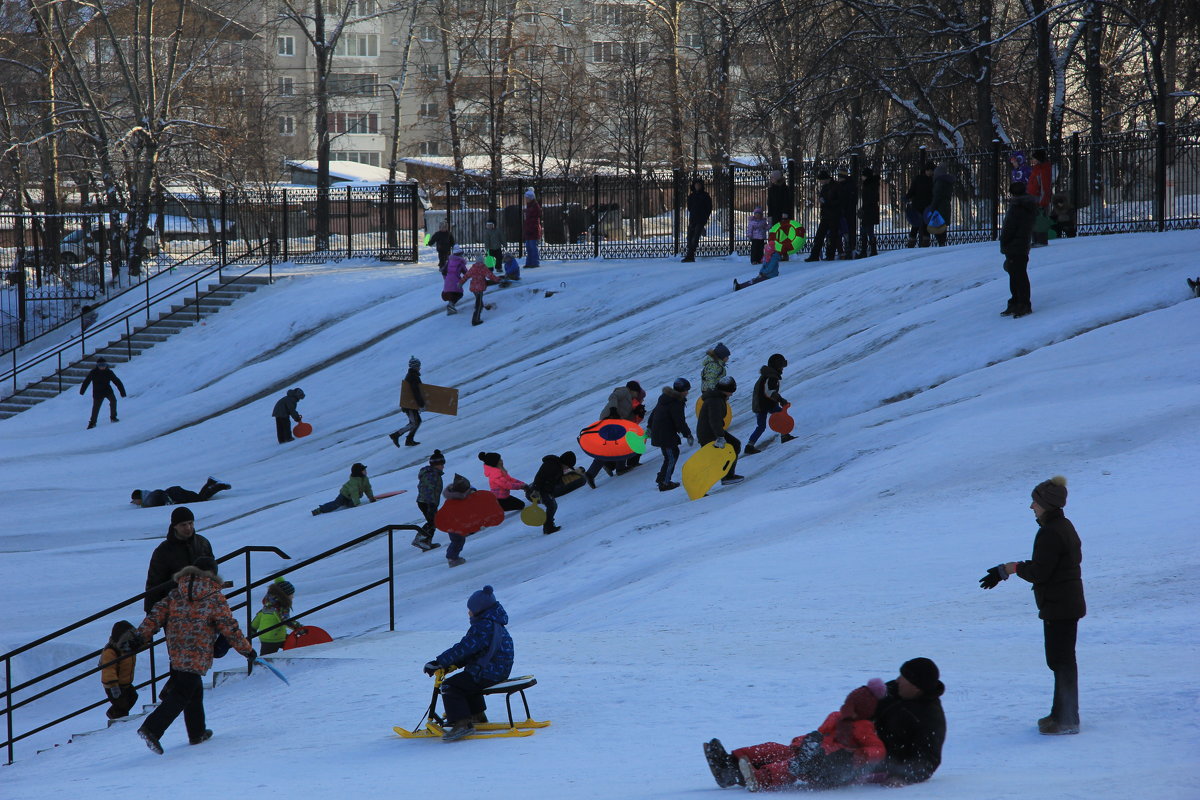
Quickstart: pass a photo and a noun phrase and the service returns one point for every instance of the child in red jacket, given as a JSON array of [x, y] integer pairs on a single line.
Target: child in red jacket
[[839, 752], [479, 276]]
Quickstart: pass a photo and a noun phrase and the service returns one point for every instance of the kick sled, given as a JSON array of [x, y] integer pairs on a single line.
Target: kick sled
[[435, 726]]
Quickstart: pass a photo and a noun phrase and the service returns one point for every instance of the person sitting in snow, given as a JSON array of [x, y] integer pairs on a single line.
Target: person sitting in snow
[[176, 495], [843, 750], [485, 654], [512, 268], [351, 492], [500, 482], [770, 268]]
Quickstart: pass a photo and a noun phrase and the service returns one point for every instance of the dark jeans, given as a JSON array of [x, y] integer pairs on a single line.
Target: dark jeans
[[849, 225], [120, 707], [428, 510], [695, 230], [414, 422], [510, 503], [336, 504], [919, 233], [184, 693], [1017, 267], [670, 456], [827, 236], [551, 506], [760, 424], [756, 250], [283, 430], [478, 316], [98, 400], [266, 648], [461, 697], [457, 540], [1060, 658], [868, 244]]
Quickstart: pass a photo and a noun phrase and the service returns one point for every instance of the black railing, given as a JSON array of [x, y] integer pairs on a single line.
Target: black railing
[[8, 696]]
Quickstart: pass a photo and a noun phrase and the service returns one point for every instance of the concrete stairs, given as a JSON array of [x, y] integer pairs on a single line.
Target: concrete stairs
[[181, 316]]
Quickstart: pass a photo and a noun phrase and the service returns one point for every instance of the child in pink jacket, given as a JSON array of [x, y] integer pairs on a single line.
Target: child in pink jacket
[[500, 482], [480, 276], [456, 268]]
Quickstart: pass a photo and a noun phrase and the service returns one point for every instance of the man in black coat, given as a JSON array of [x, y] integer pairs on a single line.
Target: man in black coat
[[918, 198], [668, 421], [699, 208], [180, 549], [847, 194], [828, 233], [1054, 570], [102, 379], [710, 423], [1016, 234], [911, 724], [868, 214]]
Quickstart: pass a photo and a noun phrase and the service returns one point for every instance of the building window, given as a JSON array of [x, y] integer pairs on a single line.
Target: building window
[[287, 125], [431, 72], [287, 86], [429, 109], [534, 53], [615, 52], [428, 148], [356, 83], [353, 122], [621, 14], [362, 45], [285, 45], [371, 157], [693, 40], [361, 8], [565, 55], [567, 15], [428, 33]]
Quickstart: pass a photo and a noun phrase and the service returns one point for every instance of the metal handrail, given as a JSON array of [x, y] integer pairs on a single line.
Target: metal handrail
[[124, 317], [9, 690]]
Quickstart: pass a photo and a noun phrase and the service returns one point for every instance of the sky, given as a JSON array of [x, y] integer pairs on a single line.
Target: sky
[[652, 623]]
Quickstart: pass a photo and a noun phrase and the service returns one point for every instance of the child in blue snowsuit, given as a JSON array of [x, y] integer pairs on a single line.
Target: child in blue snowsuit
[[512, 269], [486, 655], [769, 269]]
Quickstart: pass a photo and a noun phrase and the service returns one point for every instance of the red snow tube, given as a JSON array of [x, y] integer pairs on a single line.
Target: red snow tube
[[612, 439]]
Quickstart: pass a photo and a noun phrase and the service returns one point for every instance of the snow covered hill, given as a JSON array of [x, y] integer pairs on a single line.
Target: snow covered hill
[[653, 623]]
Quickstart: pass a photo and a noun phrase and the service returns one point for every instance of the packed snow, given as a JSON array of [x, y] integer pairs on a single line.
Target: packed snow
[[652, 622]]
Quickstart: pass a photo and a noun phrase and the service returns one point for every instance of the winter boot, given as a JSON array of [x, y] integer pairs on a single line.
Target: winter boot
[[460, 729], [411, 442], [91, 424], [150, 741], [751, 450], [731, 479], [395, 437], [202, 738], [1022, 311], [316, 512], [552, 529], [456, 562], [786, 437], [1045, 722], [479, 719], [1056, 728], [724, 769], [450, 309], [667, 486], [113, 419]]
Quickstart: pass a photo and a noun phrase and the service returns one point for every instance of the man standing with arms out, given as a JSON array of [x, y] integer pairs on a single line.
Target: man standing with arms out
[[1054, 570], [699, 208], [102, 379]]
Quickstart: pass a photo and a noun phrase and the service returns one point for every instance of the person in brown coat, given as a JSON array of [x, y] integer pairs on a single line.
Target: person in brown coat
[[193, 614], [1054, 571], [117, 674]]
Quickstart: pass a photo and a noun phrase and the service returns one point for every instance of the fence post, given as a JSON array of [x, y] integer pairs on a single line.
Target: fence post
[[676, 181], [595, 215], [349, 225], [22, 306], [391, 585], [249, 604], [286, 233], [1160, 178], [1076, 170], [791, 182], [8, 703], [732, 227], [414, 201], [997, 191]]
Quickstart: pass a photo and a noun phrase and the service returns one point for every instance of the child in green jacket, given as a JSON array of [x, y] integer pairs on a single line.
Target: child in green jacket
[[351, 493], [277, 607]]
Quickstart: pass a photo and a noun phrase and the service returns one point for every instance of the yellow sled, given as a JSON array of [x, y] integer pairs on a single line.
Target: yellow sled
[[705, 467], [435, 726]]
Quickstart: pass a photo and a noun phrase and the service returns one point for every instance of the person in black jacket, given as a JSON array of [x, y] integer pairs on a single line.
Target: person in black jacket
[[177, 495], [102, 379], [1054, 570], [286, 407], [413, 379], [442, 240], [868, 214], [847, 193], [546, 484], [1015, 236], [699, 208], [910, 722], [668, 421], [918, 198], [180, 549], [766, 400], [710, 423], [828, 233]]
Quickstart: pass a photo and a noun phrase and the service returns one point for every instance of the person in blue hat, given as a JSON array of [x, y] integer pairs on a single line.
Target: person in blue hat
[[485, 655]]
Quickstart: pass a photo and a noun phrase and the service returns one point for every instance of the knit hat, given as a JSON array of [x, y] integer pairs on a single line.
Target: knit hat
[[861, 703], [777, 362], [568, 459], [181, 514], [283, 585], [721, 351], [437, 457], [681, 385], [727, 384], [100, 362], [923, 673], [529, 193], [414, 362], [490, 459], [206, 564], [757, 209], [456, 249], [1051, 493], [481, 601], [358, 470]]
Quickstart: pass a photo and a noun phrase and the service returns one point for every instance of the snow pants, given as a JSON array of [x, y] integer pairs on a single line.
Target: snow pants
[[510, 503], [771, 762], [120, 707], [1060, 637], [283, 430], [457, 540], [98, 400], [462, 697], [756, 250], [414, 422], [184, 693], [1017, 267], [336, 504]]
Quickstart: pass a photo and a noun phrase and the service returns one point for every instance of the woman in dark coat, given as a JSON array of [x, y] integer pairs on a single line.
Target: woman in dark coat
[[868, 214], [943, 191]]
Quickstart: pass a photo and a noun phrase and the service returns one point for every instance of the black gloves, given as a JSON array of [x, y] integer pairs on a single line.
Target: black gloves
[[252, 655], [114, 692], [432, 667], [993, 577]]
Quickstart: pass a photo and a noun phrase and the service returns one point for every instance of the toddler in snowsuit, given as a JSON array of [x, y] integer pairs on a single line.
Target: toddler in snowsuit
[[479, 276], [351, 492], [770, 269], [756, 232], [429, 492], [500, 482], [486, 656], [271, 623], [766, 399], [117, 674], [512, 268], [843, 750], [454, 275]]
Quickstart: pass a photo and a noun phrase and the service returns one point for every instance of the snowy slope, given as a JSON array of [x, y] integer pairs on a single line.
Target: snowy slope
[[652, 622]]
